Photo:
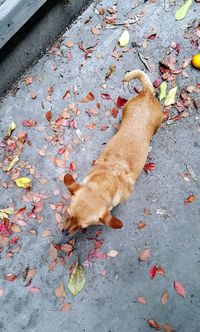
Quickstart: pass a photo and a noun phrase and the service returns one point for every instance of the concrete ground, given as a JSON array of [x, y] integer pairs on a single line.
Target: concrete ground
[[109, 300]]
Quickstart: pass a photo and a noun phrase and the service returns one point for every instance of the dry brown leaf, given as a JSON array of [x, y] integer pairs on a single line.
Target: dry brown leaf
[[42, 152], [52, 265], [46, 233], [144, 255], [69, 43], [43, 181], [28, 80], [164, 298], [59, 291], [53, 251], [33, 95], [66, 247]]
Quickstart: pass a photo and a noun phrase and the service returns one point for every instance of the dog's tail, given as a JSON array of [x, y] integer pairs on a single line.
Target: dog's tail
[[142, 77]]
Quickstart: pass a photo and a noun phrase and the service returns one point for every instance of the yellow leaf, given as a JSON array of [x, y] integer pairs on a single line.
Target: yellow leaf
[[77, 280], [171, 97], [12, 164], [163, 90], [5, 212], [124, 38], [24, 183], [10, 130], [183, 10]]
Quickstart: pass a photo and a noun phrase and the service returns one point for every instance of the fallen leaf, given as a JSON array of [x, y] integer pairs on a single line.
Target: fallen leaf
[[123, 39], [77, 279], [53, 251], [65, 307], [10, 130], [5, 212], [111, 70], [141, 300], [33, 95], [157, 83], [12, 164], [152, 36], [69, 43], [96, 30], [15, 229], [105, 96], [156, 269], [24, 183], [149, 167], [60, 292], [28, 275], [67, 248], [101, 10], [29, 123], [10, 277], [181, 13], [69, 56], [190, 199], [179, 288], [154, 324], [171, 97], [112, 253], [52, 265], [121, 101], [48, 116], [28, 80], [88, 97], [114, 112], [163, 91], [144, 255], [34, 290], [46, 233], [164, 298], [141, 225]]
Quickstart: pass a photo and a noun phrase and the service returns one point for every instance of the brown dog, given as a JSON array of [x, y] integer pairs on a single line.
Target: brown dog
[[112, 178]]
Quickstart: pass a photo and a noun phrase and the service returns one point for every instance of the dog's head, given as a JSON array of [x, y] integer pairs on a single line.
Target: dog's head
[[86, 208]]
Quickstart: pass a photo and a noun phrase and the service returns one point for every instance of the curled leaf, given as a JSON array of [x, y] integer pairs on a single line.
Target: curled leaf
[[183, 10], [171, 96], [24, 183], [121, 101], [110, 71], [190, 199], [76, 280], [12, 164], [123, 40], [154, 324], [10, 130], [163, 90]]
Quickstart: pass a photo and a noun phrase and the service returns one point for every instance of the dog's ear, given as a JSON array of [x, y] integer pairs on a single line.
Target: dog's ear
[[71, 183], [111, 221]]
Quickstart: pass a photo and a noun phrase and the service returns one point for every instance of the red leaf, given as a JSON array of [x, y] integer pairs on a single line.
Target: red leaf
[[157, 83], [105, 96], [69, 56], [48, 116], [114, 112], [104, 127], [179, 288], [149, 167], [141, 300], [29, 123], [156, 269], [152, 36], [154, 324], [121, 101], [14, 240], [190, 199], [88, 97], [72, 167], [152, 272], [10, 277]]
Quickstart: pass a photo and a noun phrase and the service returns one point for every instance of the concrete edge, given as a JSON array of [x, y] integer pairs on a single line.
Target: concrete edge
[[35, 36]]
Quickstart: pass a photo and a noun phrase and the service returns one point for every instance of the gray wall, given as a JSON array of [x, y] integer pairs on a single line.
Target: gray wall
[[29, 42]]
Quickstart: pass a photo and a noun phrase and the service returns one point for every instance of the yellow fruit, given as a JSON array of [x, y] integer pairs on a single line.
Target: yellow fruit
[[196, 60]]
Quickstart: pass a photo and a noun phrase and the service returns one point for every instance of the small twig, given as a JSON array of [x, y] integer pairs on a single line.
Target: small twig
[[145, 62], [114, 26]]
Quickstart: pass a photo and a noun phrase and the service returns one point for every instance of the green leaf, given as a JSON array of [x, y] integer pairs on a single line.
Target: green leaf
[[76, 279], [163, 90], [183, 10], [171, 97]]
